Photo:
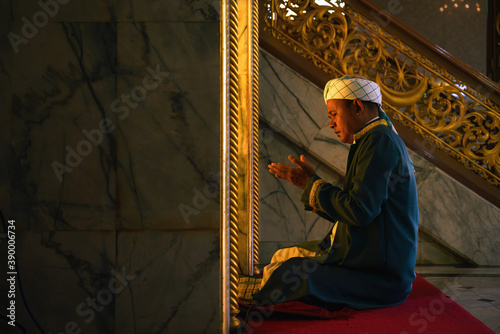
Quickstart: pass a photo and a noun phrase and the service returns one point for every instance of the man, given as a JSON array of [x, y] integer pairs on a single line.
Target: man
[[371, 259]]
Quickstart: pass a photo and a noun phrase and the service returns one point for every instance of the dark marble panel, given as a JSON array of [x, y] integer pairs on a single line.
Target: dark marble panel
[[163, 11], [6, 10], [176, 288], [68, 279], [460, 218], [168, 138], [38, 12], [62, 132]]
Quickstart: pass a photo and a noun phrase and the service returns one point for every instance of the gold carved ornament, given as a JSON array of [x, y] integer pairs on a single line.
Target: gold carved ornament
[[422, 96]]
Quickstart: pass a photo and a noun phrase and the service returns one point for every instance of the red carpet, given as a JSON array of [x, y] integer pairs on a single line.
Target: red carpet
[[427, 310]]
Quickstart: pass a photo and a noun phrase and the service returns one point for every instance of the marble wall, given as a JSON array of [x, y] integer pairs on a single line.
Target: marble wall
[[110, 148], [294, 108]]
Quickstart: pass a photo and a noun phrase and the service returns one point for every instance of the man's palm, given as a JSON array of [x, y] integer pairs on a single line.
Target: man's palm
[[298, 176]]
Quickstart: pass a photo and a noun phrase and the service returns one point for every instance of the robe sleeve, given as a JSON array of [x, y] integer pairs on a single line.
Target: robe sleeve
[[305, 198], [375, 163]]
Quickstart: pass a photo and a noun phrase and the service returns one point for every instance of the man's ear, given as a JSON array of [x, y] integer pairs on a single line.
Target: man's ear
[[360, 107]]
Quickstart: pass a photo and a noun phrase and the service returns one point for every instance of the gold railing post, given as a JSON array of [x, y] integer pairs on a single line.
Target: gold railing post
[[248, 157], [255, 134], [240, 152], [229, 166]]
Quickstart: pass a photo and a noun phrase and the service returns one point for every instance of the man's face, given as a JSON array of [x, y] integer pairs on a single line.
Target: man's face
[[343, 119]]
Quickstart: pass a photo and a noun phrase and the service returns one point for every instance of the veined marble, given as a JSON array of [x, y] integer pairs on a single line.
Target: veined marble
[[64, 10], [460, 218], [132, 87], [168, 144], [173, 10], [294, 109], [62, 180], [65, 277], [176, 288]]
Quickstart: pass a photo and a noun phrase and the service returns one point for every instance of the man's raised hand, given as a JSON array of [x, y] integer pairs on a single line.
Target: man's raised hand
[[298, 176]]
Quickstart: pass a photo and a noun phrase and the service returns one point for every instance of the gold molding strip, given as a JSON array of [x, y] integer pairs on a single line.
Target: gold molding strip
[[248, 157], [255, 133], [229, 167], [245, 156], [458, 119]]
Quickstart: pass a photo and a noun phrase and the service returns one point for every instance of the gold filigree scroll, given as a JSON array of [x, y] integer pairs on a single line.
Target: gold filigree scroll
[[421, 95]]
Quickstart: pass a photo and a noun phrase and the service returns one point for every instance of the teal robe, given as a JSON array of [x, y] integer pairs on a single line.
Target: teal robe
[[372, 259]]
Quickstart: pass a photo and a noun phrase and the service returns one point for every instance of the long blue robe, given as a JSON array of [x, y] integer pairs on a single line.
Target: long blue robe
[[372, 258]]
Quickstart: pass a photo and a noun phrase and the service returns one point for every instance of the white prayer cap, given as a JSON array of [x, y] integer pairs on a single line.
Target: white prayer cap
[[356, 87], [353, 87]]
